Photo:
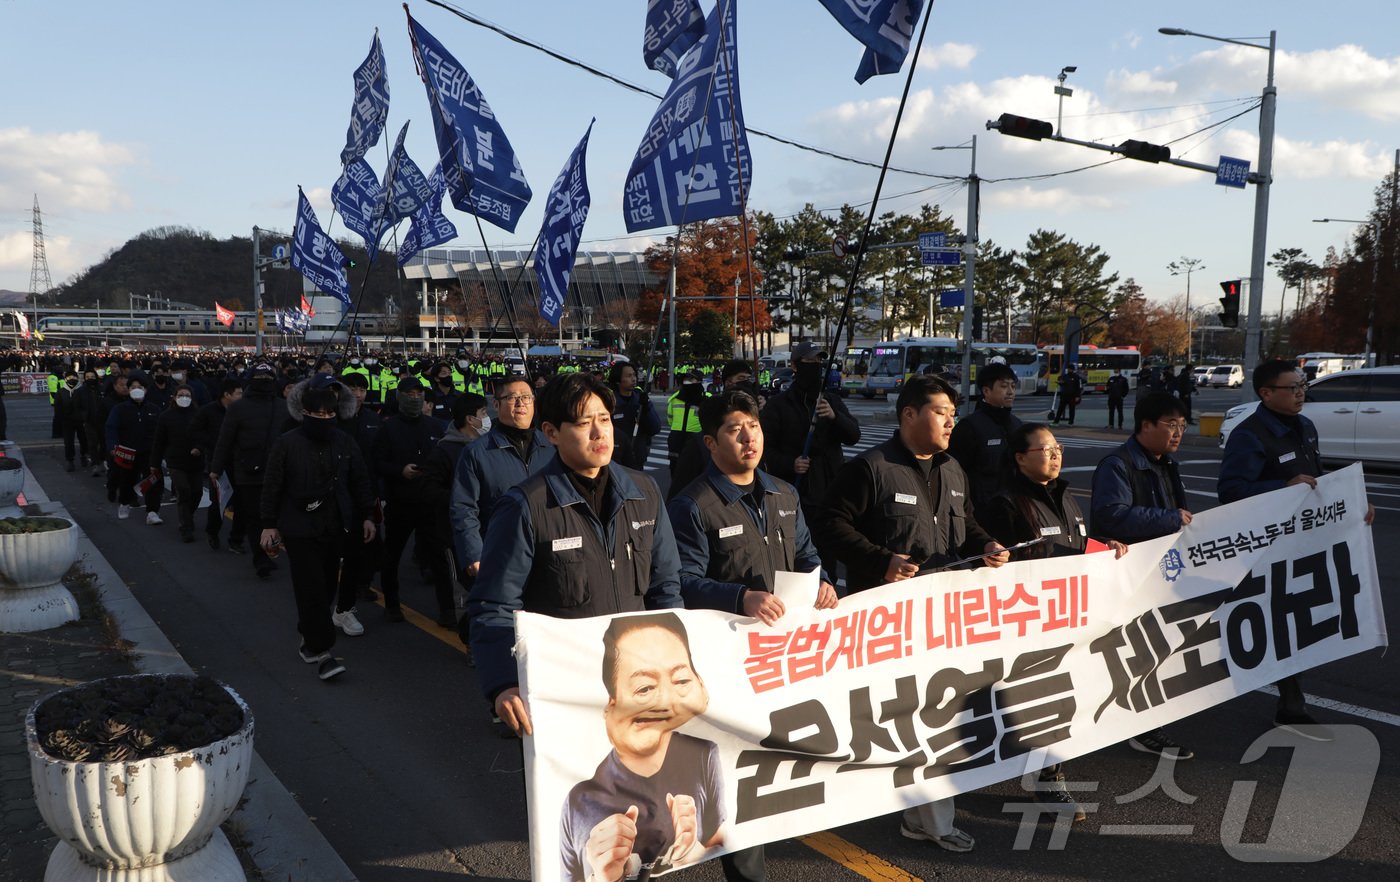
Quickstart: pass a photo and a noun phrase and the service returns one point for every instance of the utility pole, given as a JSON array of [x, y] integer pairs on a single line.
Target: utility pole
[[969, 275], [1186, 266]]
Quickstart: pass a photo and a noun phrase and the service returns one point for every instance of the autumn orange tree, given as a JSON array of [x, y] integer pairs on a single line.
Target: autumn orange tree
[[709, 260]]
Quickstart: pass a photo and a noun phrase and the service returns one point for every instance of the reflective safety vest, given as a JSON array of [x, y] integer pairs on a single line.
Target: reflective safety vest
[[53, 388], [676, 413], [353, 369], [459, 382], [765, 378], [477, 386]]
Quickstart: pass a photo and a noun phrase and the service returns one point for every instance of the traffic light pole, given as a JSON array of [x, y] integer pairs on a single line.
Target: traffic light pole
[[969, 274], [1254, 333]]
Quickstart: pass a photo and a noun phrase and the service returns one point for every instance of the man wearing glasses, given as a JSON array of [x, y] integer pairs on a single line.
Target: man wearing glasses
[[1138, 495], [1276, 446], [510, 452]]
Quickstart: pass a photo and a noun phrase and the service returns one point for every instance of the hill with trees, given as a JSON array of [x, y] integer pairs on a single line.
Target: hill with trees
[[191, 266]]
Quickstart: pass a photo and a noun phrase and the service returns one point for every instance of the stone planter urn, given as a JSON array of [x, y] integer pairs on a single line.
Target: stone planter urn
[[125, 815], [11, 484], [35, 553]]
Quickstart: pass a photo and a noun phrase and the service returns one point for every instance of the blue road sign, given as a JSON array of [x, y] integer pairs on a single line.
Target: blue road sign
[[279, 252], [941, 257], [951, 298], [930, 241], [1232, 172]]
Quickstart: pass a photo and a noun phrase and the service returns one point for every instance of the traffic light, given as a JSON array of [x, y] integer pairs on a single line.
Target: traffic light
[[977, 322], [1145, 151], [1230, 303], [1022, 127]]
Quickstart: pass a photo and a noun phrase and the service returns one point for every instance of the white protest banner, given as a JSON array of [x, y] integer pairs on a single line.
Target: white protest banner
[[721, 733]]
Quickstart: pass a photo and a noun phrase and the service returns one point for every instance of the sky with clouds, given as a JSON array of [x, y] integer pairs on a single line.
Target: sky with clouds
[[125, 117]]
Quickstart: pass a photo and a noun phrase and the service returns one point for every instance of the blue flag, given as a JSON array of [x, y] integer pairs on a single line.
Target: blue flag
[[359, 199], [689, 165], [315, 255], [371, 107], [885, 27], [672, 27], [564, 215], [482, 172], [410, 190], [429, 227]]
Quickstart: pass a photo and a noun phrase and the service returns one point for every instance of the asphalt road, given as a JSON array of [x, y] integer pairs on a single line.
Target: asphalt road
[[397, 764]]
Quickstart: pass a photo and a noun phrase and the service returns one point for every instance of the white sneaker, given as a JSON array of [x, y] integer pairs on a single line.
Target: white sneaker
[[153, 518], [347, 622], [123, 512]]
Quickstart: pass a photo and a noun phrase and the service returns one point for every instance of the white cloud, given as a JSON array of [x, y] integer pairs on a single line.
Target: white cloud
[[1134, 83], [66, 169], [953, 55], [17, 258], [1058, 200], [1346, 76]]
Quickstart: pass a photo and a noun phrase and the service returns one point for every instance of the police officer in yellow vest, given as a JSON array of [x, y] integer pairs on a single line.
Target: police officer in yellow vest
[[356, 367], [683, 415]]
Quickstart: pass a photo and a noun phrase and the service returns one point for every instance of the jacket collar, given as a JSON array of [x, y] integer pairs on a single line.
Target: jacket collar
[[499, 441], [1276, 425], [620, 486], [728, 490], [1140, 458], [896, 451]]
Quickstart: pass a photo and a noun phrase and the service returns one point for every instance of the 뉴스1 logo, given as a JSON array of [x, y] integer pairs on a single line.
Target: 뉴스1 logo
[[1171, 565]]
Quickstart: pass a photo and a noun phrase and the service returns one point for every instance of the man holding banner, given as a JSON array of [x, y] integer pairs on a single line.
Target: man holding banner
[[902, 508], [736, 528], [583, 537]]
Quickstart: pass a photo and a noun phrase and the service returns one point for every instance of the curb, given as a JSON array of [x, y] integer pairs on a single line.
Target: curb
[[280, 839]]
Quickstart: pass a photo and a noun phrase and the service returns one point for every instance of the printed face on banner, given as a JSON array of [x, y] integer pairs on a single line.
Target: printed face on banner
[[654, 692]]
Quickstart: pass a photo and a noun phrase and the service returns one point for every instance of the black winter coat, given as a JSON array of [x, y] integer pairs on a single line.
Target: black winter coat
[[250, 427], [785, 420]]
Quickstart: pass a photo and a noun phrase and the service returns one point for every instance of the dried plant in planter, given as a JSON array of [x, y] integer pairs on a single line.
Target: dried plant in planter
[[10, 526], [131, 718]]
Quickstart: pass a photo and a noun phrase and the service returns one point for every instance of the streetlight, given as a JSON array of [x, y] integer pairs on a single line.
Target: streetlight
[[1375, 272], [1261, 197], [1064, 92], [1186, 265]]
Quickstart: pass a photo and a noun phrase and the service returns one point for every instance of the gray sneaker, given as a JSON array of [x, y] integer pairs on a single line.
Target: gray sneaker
[[330, 667], [957, 840]]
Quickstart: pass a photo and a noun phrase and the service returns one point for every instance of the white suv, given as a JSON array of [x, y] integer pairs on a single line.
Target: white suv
[[1357, 414], [1231, 375]]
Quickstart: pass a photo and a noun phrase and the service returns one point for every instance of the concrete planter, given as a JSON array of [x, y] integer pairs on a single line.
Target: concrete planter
[[149, 820], [32, 597]]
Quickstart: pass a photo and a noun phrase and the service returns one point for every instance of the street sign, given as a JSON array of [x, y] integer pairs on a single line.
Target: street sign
[[838, 246], [951, 298], [279, 252], [930, 241], [941, 256], [1232, 172]]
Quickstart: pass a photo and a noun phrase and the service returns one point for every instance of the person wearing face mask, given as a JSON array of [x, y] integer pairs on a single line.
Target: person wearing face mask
[[399, 452], [87, 411], [470, 421], [683, 416], [510, 451], [362, 560], [808, 464], [443, 392], [71, 422], [204, 431], [315, 502], [175, 445], [159, 392], [249, 429], [131, 430]]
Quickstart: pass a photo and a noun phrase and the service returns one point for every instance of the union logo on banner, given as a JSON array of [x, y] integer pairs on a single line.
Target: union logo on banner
[[306, 308], [225, 316]]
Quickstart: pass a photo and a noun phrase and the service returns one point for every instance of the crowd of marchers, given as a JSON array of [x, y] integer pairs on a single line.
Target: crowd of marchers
[[532, 493]]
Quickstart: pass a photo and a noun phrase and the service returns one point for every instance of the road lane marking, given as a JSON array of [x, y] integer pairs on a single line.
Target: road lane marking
[[1342, 707]]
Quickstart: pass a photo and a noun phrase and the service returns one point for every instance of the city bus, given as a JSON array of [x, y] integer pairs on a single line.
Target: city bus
[[892, 363], [855, 366], [1096, 365]]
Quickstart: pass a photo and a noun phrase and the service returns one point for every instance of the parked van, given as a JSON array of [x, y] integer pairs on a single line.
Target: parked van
[[1229, 375]]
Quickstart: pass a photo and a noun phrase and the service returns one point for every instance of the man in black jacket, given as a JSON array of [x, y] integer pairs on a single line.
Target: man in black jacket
[[131, 431], [469, 422], [979, 440], [787, 421], [1117, 393], [1071, 388], [204, 432], [361, 560], [71, 422], [902, 507], [176, 447], [399, 453], [250, 427], [315, 500]]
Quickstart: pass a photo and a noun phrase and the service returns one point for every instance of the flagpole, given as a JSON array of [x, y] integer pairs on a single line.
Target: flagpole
[[508, 295], [913, 59]]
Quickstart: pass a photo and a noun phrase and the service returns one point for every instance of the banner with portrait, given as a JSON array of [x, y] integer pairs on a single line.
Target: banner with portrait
[[685, 734]]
